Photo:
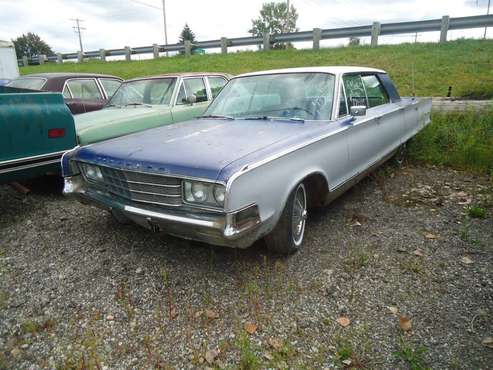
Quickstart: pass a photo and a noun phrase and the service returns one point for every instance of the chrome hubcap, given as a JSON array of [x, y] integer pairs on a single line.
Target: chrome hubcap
[[299, 214]]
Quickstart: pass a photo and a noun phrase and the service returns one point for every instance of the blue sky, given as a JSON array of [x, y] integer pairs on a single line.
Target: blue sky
[[118, 23]]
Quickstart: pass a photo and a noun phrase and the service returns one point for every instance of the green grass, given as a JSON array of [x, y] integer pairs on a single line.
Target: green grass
[[476, 212], [458, 140], [466, 65]]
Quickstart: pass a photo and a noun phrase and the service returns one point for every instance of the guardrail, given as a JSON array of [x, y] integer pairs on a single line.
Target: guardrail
[[374, 30]]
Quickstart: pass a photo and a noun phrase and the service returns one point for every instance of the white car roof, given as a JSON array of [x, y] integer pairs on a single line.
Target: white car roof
[[332, 69]]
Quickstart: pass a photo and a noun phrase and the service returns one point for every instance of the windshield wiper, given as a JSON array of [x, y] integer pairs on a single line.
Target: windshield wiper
[[216, 116], [138, 104], [269, 118]]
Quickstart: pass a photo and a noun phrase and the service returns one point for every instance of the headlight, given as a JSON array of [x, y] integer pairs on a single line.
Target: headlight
[[204, 193], [91, 172]]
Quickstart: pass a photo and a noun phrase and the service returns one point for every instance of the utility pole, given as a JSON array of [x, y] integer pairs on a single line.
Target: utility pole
[[77, 29], [165, 26], [487, 13]]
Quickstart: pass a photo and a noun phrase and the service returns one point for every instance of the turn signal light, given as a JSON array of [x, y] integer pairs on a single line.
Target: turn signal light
[[54, 133]]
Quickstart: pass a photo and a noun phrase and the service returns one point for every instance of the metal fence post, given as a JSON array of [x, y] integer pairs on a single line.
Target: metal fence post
[[444, 28], [224, 45], [317, 36], [41, 58], [102, 55], [266, 41], [375, 32], [128, 53], [80, 57], [188, 48], [59, 58], [155, 51]]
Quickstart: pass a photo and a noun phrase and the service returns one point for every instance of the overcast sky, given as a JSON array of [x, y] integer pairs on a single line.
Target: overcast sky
[[118, 23]]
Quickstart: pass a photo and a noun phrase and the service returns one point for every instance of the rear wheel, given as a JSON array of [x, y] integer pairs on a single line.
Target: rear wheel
[[287, 236]]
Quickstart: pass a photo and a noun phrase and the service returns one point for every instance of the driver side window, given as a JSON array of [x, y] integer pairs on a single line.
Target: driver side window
[[355, 90]]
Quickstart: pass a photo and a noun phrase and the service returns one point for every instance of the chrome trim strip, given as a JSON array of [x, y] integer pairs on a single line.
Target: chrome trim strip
[[27, 166], [34, 157], [172, 218], [152, 184]]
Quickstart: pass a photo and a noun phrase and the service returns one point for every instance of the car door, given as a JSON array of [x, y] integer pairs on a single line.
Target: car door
[[389, 119], [83, 95], [183, 111], [362, 135]]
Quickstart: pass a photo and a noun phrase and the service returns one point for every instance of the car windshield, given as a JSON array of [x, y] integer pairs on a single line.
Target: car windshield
[[30, 83], [155, 91], [304, 96]]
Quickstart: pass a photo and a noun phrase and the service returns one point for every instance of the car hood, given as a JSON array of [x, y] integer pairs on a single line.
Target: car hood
[[201, 148], [115, 115]]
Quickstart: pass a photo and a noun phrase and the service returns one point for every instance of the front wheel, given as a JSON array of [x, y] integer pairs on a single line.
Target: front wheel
[[287, 236]]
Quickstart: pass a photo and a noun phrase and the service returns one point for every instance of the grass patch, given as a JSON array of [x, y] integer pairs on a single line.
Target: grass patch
[[413, 356], [461, 140], [466, 65], [476, 212]]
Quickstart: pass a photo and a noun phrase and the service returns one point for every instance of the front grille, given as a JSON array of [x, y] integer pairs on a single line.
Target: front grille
[[143, 187]]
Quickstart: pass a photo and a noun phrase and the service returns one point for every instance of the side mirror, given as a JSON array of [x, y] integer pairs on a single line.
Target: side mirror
[[191, 99], [357, 110]]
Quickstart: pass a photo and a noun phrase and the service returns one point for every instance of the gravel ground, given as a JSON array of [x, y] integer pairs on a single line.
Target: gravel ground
[[393, 275]]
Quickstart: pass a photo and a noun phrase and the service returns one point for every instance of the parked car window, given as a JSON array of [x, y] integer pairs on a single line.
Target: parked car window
[[355, 90], [66, 93], [216, 84], [342, 103], [110, 85], [287, 95], [196, 87], [30, 83], [84, 89], [155, 91], [375, 92]]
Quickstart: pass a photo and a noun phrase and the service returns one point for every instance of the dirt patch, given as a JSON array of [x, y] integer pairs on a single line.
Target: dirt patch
[[396, 273]]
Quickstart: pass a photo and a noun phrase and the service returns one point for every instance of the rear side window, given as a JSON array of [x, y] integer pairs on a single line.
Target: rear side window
[[84, 89], [375, 92], [192, 86], [216, 84], [355, 90], [30, 83], [110, 85]]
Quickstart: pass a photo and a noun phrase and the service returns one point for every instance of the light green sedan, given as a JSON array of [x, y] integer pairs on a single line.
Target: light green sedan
[[143, 103]]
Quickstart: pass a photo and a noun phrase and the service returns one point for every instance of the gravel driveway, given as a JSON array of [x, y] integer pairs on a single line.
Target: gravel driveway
[[395, 274]]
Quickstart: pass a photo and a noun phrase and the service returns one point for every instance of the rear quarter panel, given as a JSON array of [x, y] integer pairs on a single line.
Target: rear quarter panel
[[26, 118]]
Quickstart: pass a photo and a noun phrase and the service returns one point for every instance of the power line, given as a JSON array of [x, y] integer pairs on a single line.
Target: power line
[[146, 4], [77, 29]]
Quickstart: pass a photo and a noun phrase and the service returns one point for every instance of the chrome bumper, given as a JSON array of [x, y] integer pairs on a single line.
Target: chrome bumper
[[218, 228]]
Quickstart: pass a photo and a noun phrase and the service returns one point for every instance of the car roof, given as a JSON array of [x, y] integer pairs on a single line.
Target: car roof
[[51, 75], [336, 70], [182, 74]]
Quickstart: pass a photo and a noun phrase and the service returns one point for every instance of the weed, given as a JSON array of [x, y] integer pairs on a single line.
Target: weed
[[4, 298], [414, 357], [476, 212], [413, 265], [125, 300], [31, 327], [248, 358], [462, 140], [357, 259]]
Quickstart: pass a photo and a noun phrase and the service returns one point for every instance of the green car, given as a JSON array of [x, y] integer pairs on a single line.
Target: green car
[[144, 103]]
